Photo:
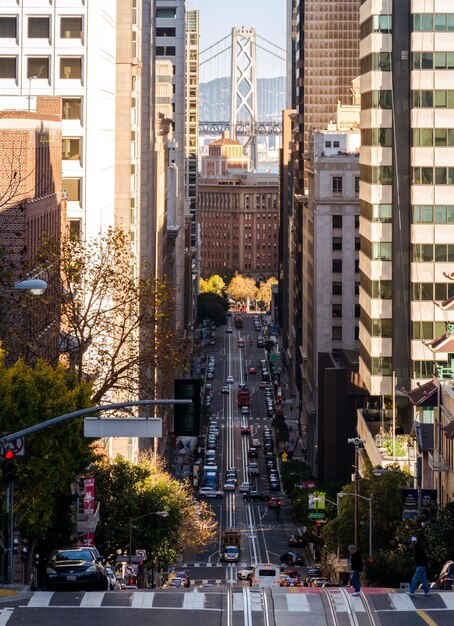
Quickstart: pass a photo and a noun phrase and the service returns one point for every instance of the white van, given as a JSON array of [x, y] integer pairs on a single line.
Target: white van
[[265, 575]]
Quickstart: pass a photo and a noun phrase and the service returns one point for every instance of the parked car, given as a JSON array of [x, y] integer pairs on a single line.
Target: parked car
[[76, 568], [253, 469], [114, 583], [252, 370], [209, 492], [253, 453], [274, 503], [245, 487], [445, 579], [225, 389], [292, 558]]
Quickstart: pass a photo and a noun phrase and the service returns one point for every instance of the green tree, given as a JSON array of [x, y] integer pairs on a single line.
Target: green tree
[[213, 307], [54, 456], [128, 491], [215, 284]]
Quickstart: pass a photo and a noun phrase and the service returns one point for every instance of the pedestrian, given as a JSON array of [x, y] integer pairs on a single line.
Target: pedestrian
[[278, 512], [421, 562], [356, 565]]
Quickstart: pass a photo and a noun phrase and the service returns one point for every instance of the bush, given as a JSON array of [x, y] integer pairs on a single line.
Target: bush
[[388, 569]]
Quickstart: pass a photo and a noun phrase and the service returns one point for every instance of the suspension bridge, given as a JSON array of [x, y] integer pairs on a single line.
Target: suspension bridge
[[246, 52]]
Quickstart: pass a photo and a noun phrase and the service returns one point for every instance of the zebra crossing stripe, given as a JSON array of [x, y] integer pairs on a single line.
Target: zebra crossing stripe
[[297, 602], [40, 599], [193, 601], [142, 599], [5, 614], [92, 599]]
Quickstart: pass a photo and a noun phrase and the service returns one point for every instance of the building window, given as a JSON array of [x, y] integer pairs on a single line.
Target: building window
[[71, 108], [337, 266], [71, 28], [70, 149], [38, 28], [356, 185], [75, 230], [72, 187], [8, 27], [7, 67], [336, 333], [337, 221], [71, 68], [38, 67], [165, 51], [166, 31], [337, 289], [337, 244], [337, 310], [337, 185], [166, 13]]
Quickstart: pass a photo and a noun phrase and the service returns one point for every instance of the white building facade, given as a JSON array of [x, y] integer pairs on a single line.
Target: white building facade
[[68, 49], [407, 178]]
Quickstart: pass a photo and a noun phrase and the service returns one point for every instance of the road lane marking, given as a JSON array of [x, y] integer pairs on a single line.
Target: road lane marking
[[423, 615], [40, 599], [194, 601], [92, 599], [401, 602], [5, 614], [142, 599], [297, 603]]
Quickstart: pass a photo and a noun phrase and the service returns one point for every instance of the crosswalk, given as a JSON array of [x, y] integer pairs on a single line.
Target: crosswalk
[[295, 600]]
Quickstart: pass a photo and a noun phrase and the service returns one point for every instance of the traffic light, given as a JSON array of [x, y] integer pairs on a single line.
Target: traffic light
[[8, 465]]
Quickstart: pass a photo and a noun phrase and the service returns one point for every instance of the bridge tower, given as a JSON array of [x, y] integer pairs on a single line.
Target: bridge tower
[[243, 90]]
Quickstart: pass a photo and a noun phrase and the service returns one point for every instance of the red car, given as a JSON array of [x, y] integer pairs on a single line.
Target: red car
[[274, 502], [245, 430], [252, 370]]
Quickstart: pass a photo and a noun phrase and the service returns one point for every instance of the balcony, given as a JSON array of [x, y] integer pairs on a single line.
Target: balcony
[[378, 445]]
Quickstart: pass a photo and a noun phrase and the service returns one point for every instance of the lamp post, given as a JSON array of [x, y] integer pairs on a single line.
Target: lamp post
[[357, 495], [134, 519], [36, 286]]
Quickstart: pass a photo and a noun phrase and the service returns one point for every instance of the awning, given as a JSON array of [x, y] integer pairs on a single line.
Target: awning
[[446, 305], [423, 395], [449, 430], [445, 343]]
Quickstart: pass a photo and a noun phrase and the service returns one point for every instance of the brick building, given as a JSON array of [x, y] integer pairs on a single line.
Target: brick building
[[31, 212], [238, 214]]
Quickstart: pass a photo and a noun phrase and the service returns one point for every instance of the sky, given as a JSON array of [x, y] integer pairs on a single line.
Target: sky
[[218, 17]]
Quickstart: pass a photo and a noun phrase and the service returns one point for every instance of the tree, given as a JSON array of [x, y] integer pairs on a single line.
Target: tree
[[127, 491], [265, 291], [118, 327], [215, 284], [241, 288], [213, 307], [53, 457]]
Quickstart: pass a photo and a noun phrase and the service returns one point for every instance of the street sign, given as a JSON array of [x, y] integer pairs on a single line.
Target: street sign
[[19, 446], [284, 457], [141, 553], [316, 515], [130, 570]]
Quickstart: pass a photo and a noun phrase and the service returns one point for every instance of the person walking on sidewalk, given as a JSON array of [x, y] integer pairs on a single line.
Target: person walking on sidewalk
[[421, 562], [356, 565]]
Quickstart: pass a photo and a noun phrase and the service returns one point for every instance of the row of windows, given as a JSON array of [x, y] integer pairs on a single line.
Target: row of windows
[[380, 327], [432, 291], [433, 175], [376, 212], [377, 137], [377, 289], [39, 27], [377, 366], [433, 137], [377, 174], [165, 51], [429, 22], [438, 253], [39, 67], [428, 330], [433, 214], [377, 250], [377, 99], [376, 61], [433, 60], [428, 99], [377, 24]]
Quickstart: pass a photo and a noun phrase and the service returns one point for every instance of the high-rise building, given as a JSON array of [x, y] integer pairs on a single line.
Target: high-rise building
[[407, 178], [171, 46], [69, 50], [326, 60]]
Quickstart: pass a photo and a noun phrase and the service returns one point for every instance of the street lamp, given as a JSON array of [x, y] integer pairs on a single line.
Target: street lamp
[[357, 495], [134, 519], [36, 286]]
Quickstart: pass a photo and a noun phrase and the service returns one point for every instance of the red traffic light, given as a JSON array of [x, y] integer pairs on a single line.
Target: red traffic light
[[9, 454]]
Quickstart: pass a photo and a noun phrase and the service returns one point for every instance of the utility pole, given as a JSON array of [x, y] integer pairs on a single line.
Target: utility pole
[[357, 443]]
